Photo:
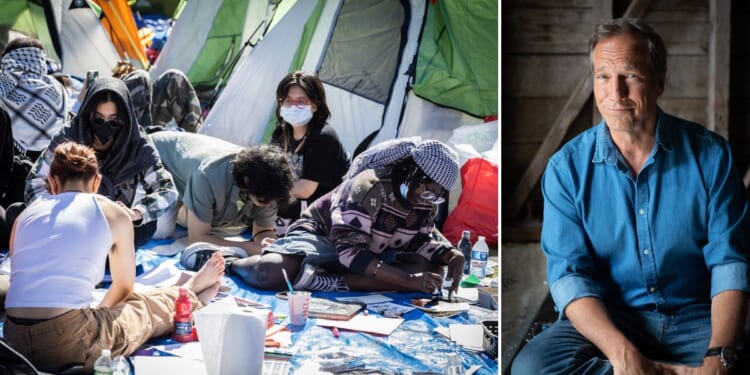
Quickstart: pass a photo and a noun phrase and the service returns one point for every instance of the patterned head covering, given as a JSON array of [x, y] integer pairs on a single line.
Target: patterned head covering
[[437, 161], [37, 103]]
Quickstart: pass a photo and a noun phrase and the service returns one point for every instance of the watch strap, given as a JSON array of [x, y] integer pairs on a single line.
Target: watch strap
[[716, 350]]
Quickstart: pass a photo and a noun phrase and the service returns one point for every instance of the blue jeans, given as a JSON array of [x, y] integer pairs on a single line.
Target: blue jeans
[[681, 337]]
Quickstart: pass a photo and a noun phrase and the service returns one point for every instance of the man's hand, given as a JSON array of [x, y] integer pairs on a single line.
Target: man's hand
[[636, 364], [710, 366]]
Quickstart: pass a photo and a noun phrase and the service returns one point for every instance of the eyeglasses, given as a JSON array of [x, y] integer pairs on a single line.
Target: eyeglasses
[[99, 121], [299, 102], [431, 196]]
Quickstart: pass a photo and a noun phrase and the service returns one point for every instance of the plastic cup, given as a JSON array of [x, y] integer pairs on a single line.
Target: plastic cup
[[299, 306]]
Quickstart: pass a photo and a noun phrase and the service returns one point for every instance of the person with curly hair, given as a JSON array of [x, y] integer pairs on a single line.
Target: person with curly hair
[[318, 157], [224, 188], [373, 232]]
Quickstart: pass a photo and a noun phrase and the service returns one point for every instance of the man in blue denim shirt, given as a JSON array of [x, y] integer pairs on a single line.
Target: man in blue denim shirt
[[645, 231]]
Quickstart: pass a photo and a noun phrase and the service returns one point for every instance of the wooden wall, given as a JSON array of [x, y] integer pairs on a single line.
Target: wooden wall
[[545, 62]]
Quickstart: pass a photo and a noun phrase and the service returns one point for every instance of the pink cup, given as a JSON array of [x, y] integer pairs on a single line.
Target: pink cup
[[299, 305]]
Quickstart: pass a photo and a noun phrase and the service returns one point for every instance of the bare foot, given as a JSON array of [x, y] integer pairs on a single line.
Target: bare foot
[[208, 275], [209, 293]]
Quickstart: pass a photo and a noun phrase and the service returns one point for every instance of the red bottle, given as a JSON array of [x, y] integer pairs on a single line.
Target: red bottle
[[183, 318]]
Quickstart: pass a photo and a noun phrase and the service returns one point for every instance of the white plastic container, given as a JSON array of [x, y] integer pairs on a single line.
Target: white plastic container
[[479, 254], [103, 364]]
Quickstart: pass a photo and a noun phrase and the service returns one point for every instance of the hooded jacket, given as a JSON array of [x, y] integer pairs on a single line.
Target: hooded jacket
[[130, 168]]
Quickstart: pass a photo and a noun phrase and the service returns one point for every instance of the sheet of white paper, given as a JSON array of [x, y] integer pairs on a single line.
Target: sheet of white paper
[[171, 248], [469, 336], [444, 331], [145, 365], [365, 323], [471, 294], [449, 306], [164, 274], [190, 350], [366, 299]]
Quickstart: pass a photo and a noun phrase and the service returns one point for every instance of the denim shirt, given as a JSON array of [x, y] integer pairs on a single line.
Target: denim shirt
[[673, 236]]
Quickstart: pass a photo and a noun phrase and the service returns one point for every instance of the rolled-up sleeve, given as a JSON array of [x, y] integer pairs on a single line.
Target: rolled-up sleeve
[[726, 252], [570, 262]]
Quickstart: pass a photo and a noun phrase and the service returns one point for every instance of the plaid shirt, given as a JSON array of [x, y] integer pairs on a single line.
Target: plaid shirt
[[152, 191]]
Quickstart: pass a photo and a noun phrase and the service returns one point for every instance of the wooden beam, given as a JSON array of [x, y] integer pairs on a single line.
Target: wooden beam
[[718, 66], [570, 111]]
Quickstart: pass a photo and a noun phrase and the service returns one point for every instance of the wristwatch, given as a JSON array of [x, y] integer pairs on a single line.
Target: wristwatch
[[727, 354]]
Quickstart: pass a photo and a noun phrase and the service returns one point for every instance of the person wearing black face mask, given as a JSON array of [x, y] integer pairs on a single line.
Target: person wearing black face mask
[[132, 172]]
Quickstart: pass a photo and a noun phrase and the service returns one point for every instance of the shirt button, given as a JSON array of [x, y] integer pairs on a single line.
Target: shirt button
[[652, 289], [645, 252], [641, 212]]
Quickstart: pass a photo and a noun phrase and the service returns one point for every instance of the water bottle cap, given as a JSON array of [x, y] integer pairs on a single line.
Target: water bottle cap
[[106, 352], [481, 238], [466, 233]]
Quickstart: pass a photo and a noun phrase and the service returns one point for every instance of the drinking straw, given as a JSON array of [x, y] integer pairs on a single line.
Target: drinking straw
[[286, 278]]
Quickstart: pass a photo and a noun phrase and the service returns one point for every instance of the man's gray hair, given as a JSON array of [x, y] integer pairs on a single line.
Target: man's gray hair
[[657, 52]]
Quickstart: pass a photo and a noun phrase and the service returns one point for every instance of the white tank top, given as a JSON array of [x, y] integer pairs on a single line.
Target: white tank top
[[60, 246]]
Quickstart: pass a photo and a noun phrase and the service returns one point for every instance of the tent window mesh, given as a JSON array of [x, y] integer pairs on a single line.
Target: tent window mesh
[[362, 55]]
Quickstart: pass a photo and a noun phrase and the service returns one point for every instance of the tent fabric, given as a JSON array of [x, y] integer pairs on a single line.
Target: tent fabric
[[246, 104], [208, 35], [457, 61], [83, 44], [118, 21], [368, 54], [362, 54]]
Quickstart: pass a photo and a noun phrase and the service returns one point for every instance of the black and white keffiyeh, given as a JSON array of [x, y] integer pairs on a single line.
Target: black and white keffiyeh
[[438, 161], [37, 103]]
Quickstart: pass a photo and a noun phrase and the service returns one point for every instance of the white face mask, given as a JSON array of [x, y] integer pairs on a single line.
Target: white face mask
[[297, 116]]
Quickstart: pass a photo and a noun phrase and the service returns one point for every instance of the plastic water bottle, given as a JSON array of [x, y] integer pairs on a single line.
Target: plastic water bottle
[[120, 366], [454, 366], [183, 318], [465, 246], [479, 258], [103, 364]]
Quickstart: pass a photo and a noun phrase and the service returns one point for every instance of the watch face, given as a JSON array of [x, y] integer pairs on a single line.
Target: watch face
[[728, 357]]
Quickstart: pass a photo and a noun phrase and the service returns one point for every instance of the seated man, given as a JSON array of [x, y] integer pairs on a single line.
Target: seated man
[[645, 231], [224, 188], [373, 232]]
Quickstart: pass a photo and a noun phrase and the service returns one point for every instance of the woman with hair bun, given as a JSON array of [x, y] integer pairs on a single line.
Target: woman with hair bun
[[58, 249]]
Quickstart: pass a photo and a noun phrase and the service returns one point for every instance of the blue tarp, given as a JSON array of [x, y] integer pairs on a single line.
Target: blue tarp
[[412, 348]]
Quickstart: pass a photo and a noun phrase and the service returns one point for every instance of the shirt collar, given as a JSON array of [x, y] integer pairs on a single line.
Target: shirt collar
[[605, 150]]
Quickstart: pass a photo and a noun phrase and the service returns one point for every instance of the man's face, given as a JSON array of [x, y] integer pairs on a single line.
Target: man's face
[[625, 90]]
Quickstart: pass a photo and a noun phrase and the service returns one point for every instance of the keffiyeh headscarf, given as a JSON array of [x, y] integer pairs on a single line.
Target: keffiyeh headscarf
[[438, 161], [36, 102]]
